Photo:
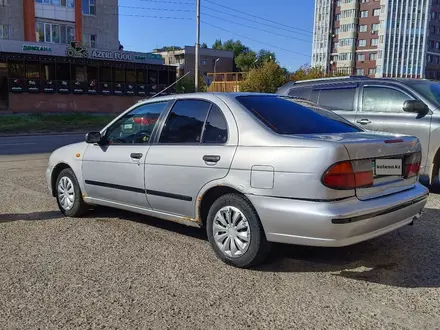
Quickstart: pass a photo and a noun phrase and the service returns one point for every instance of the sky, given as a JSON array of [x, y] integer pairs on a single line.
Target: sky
[[282, 26]]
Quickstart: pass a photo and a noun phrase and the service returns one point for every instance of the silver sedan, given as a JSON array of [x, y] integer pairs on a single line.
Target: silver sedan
[[250, 168]]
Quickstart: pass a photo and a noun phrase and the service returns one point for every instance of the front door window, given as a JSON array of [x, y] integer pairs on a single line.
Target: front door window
[[135, 127]]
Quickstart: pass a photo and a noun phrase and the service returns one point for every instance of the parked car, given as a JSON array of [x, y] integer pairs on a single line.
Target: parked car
[[407, 106], [250, 168]]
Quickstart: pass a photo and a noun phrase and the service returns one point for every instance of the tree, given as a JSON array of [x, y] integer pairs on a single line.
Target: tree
[[245, 61], [168, 48], [187, 85], [308, 72], [265, 79], [217, 44], [204, 45], [265, 56]]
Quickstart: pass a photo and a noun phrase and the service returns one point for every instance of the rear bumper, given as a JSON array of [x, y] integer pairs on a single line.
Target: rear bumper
[[339, 223]]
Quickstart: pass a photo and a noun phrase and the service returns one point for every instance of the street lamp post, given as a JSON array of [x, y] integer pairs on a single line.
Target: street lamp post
[[215, 68]]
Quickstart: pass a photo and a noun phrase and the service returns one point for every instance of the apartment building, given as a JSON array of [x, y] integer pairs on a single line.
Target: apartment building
[[65, 55], [378, 38]]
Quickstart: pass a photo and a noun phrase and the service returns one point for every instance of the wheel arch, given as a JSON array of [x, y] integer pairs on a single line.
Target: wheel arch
[[55, 172], [209, 196], [435, 166]]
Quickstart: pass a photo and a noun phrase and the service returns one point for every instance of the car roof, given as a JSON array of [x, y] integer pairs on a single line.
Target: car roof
[[204, 95], [348, 79]]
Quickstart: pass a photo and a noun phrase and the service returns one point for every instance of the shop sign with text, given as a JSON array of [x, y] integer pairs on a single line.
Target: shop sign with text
[[35, 48]]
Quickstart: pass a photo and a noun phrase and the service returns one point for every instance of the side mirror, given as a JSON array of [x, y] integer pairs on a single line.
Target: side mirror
[[415, 106], [93, 137]]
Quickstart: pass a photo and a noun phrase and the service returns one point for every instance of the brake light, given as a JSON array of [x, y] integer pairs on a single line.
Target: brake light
[[342, 176], [412, 165]]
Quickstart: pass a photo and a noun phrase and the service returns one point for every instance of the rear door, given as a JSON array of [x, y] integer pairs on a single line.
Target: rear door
[[381, 109], [196, 145], [339, 98]]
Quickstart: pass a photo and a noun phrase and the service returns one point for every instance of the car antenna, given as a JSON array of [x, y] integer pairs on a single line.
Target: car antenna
[[163, 90]]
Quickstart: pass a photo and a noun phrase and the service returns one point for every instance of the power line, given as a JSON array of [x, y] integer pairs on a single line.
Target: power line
[[255, 16], [230, 8], [255, 40], [250, 20], [223, 12], [158, 17], [171, 2], [252, 27], [146, 8]]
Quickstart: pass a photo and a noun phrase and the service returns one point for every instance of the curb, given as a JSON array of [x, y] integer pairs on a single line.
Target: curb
[[41, 134]]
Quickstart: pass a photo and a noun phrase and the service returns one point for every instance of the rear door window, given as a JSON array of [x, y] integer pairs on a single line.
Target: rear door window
[[287, 117], [216, 129], [301, 92], [185, 122], [337, 98]]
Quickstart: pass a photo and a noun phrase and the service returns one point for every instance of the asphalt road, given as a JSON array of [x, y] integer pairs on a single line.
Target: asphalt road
[[33, 144], [118, 270]]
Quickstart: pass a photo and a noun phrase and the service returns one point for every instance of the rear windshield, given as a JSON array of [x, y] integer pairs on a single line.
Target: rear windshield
[[287, 117]]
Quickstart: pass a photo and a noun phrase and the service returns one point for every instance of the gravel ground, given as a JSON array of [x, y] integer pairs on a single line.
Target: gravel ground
[[117, 270]]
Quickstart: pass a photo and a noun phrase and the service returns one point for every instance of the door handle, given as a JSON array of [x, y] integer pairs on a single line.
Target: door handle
[[136, 155], [363, 121], [211, 158]]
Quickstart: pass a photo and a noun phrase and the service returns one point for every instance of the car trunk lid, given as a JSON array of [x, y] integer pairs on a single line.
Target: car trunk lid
[[389, 156]]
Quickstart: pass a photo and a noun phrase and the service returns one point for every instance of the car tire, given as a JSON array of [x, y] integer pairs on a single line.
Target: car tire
[[238, 239], [69, 195]]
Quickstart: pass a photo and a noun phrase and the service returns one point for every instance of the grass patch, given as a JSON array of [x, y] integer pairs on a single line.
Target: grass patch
[[46, 123]]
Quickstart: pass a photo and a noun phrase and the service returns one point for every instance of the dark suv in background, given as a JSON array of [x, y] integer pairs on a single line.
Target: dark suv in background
[[405, 106]]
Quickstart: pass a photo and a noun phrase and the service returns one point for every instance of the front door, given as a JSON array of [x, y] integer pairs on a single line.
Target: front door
[[382, 110], [195, 147], [114, 170]]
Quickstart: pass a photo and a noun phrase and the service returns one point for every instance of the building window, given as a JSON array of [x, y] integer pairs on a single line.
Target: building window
[[61, 3], [373, 56], [364, 13], [363, 28], [4, 31], [88, 7], [89, 40], [362, 43], [376, 12], [54, 33], [375, 27], [361, 57], [359, 72], [374, 42], [5, 3], [372, 71]]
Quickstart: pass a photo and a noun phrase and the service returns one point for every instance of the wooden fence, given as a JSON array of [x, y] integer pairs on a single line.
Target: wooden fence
[[225, 81]]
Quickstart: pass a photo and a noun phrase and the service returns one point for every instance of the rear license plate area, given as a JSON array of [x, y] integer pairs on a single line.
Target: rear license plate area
[[388, 167]]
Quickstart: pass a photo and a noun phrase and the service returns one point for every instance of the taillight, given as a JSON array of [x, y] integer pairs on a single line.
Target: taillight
[[412, 165], [343, 176]]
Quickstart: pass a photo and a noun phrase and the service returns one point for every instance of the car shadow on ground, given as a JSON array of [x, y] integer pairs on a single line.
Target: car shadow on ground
[[103, 214], [49, 215], [408, 257]]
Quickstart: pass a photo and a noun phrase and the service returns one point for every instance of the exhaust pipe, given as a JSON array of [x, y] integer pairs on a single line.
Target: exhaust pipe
[[416, 217]]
